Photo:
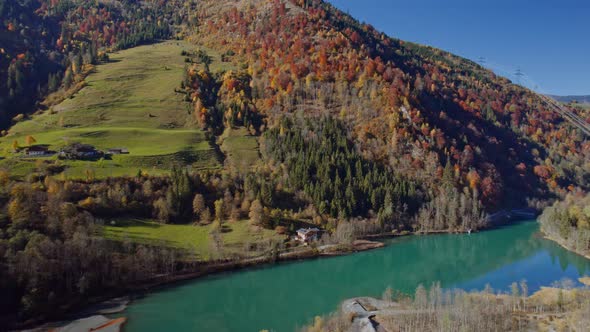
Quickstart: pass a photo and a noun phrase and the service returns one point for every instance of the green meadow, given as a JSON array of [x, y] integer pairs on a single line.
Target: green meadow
[[194, 239], [129, 102], [240, 148]]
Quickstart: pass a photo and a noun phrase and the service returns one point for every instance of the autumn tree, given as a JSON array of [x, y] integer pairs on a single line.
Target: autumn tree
[[205, 217], [68, 78], [30, 140], [219, 210], [198, 204], [4, 177], [256, 212], [161, 210]]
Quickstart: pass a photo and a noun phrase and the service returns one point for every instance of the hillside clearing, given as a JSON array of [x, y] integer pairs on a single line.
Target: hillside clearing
[[129, 102], [193, 238], [240, 148]]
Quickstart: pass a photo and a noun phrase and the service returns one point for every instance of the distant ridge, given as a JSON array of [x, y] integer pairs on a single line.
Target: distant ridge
[[568, 99]]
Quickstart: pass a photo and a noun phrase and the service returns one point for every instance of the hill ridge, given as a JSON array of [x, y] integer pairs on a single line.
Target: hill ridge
[[457, 109]]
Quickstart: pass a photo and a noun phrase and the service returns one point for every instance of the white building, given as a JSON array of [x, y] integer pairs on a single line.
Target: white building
[[308, 234]]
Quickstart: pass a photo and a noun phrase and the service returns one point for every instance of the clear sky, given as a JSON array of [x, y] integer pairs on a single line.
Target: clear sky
[[549, 40]]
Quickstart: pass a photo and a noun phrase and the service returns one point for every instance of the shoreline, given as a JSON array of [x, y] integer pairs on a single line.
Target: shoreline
[[371, 314], [365, 243], [563, 245], [71, 313]]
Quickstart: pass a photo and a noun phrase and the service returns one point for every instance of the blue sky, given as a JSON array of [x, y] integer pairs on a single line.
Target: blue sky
[[549, 40]]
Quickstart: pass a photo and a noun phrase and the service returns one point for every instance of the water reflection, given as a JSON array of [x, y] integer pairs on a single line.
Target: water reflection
[[285, 296]]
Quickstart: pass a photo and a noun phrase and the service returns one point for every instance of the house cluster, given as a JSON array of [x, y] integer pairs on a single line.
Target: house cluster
[[38, 151], [76, 151], [79, 151]]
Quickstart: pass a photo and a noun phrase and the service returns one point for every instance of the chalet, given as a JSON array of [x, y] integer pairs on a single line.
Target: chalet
[[37, 151], [308, 234], [80, 151], [118, 151]]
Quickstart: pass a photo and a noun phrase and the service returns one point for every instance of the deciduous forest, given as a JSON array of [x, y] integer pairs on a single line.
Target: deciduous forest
[[353, 127]]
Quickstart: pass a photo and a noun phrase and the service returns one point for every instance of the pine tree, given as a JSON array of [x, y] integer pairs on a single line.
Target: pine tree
[[179, 192]]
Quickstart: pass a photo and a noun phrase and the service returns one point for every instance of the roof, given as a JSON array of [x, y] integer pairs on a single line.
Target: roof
[[37, 148], [307, 230], [83, 148], [118, 149]]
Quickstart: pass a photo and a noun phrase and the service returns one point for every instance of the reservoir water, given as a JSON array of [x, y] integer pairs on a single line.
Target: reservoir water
[[286, 296]]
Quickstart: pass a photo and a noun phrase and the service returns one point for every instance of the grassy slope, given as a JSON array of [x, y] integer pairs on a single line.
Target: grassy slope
[[240, 148], [129, 102], [195, 239]]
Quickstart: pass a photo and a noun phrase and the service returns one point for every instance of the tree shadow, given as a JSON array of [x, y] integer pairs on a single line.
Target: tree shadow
[[132, 223]]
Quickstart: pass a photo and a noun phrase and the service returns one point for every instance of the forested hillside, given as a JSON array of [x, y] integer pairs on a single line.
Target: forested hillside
[[50, 45], [345, 129], [412, 108], [568, 222]]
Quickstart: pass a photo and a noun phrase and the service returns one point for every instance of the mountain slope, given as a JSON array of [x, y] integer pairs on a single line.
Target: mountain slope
[[412, 107], [326, 123], [47, 46]]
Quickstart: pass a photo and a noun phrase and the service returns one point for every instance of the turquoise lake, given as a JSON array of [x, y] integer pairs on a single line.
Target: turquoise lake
[[286, 296]]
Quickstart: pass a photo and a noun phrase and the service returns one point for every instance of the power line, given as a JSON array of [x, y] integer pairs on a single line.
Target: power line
[[482, 61], [519, 74]]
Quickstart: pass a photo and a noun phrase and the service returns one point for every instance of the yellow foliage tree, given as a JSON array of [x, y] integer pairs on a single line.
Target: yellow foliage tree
[[53, 186], [90, 174], [30, 140], [14, 209], [87, 203], [4, 177]]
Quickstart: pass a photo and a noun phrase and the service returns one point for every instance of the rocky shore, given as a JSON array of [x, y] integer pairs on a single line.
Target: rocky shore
[[548, 309]]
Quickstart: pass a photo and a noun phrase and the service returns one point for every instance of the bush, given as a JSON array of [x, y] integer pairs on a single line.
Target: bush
[[281, 230]]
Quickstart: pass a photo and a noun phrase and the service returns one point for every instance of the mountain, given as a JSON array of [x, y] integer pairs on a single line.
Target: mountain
[[410, 107], [574, 99], [263, 116], [48, 46]]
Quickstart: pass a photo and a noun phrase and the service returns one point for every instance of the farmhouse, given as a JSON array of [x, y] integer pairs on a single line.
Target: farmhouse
[[307, 234], [80, 151], [37, 151]]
